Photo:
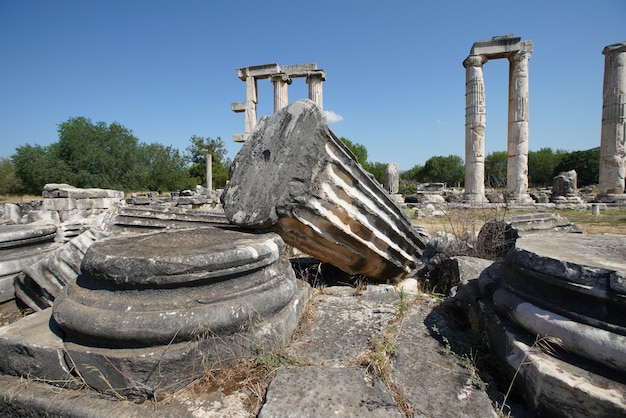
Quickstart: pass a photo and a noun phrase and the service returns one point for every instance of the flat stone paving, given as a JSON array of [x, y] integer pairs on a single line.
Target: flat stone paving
[[330, 378]]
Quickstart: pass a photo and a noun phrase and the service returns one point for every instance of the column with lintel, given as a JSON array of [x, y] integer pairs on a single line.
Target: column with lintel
[[517, 148], [475, 121], [612, 142], [315, 79], [281, 83]]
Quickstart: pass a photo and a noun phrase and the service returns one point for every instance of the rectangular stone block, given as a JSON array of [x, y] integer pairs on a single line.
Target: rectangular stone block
[[58, 204], [29, 347]]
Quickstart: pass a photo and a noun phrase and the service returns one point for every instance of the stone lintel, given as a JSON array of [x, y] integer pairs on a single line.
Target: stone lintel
[[240, 137], [498, 46], [299, 70], [618, 47], [258, 71], [239, 107]]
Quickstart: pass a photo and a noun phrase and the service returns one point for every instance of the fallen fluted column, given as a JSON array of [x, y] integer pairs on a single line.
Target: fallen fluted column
[[294, 176]]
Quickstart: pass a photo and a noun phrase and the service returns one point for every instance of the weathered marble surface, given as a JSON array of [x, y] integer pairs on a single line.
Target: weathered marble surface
[[567, 291], [297, 178]]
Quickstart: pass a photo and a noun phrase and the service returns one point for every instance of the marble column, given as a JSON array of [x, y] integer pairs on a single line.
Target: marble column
[[315, 79], [251, 101], [612, 147], [281, 83], [517, 149], [475, 121]]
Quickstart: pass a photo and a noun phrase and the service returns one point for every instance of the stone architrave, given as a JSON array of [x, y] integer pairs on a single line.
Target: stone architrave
[[612, 145], [518, 54], [392, 178], [475, 121], [295, 177]]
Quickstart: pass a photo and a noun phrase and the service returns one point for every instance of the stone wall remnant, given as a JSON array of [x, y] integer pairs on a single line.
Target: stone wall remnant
[[518, 53], [281, 78], [613, 134], [295, 177]]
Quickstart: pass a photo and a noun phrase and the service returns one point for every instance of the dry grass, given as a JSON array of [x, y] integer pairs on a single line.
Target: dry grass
[[459, 221]]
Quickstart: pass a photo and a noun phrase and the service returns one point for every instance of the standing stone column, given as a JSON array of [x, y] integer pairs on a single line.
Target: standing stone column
[[392, 178], [281, 82], [475, 121], [315, 79], [251, 101], [209, 172], [612, 147], [517, 164]]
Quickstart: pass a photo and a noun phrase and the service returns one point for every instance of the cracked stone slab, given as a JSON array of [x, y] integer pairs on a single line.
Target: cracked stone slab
[[306, 392]]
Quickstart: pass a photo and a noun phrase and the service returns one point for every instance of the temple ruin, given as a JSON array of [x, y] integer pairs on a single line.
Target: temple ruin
[[281, 78], [612, 146], [518, 53]]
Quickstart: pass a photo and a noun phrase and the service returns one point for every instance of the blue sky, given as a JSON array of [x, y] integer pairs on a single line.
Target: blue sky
[[166, 69]]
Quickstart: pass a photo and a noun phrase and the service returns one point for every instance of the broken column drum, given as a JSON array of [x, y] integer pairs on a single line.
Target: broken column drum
[[613, 142], [296, 177], [518, 53], [174, 298]]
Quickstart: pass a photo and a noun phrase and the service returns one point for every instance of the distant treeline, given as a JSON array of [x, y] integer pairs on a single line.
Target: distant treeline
[[109, 156]]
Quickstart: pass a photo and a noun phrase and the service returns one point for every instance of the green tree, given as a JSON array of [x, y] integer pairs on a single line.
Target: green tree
[[495, 169], [163, 168], [9, 183], [413, 174], [35, 166], [378, 170], [359, 151], [98, 155], [586, 163], [541, 166], [448, 170], [220, 164]]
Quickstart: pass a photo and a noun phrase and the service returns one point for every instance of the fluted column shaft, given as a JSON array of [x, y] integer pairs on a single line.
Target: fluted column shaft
[[612, 146], [517, 149], [315, 79], [281, 83], [475, 122]]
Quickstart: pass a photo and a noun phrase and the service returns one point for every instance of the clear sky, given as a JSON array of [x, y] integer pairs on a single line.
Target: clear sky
[[166, 69]]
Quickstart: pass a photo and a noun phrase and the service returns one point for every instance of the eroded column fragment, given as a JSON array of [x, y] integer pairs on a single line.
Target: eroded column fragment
[[294, 176]]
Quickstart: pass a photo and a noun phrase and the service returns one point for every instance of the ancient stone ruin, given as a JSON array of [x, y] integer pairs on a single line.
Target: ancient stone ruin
[[518, 53], [297, 178], [139, 297], [281, 78], [613, 135]]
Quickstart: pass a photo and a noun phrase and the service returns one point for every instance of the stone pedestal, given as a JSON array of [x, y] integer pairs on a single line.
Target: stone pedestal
[[153, 311], [297, 178], [556, 318], [612, 143]]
